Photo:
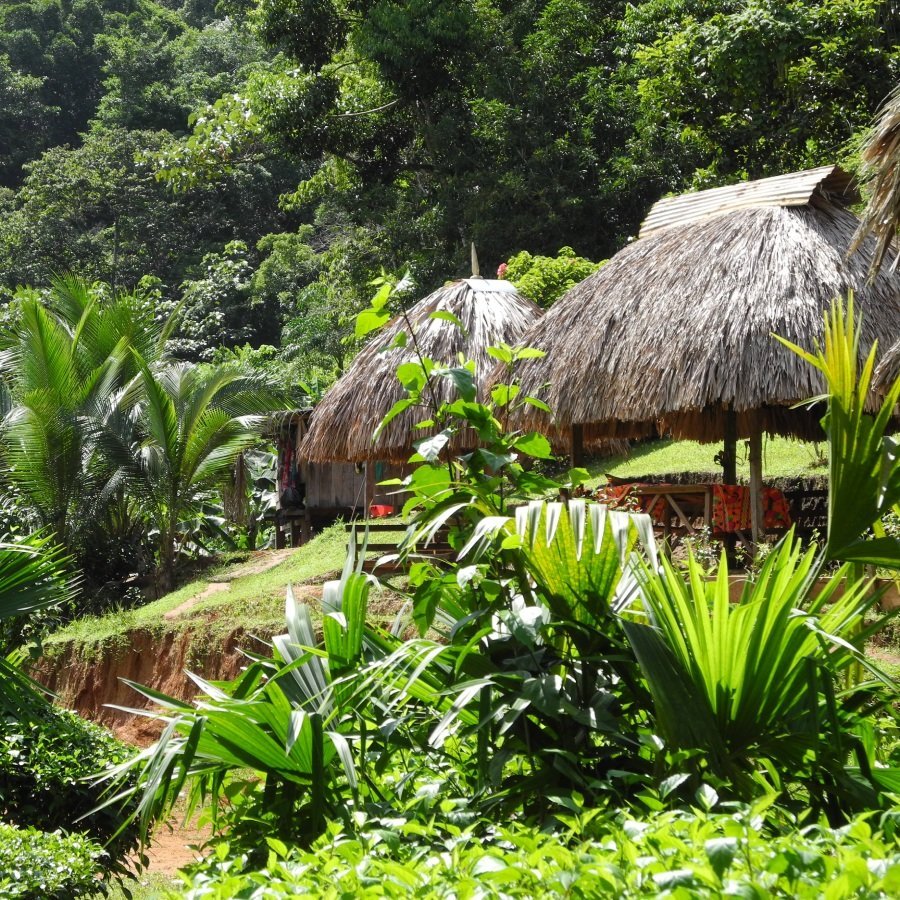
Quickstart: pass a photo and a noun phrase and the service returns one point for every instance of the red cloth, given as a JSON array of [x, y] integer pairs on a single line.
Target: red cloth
[[731, 508]]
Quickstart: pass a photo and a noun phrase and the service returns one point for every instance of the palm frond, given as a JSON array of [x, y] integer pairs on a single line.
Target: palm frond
[[880, 156]]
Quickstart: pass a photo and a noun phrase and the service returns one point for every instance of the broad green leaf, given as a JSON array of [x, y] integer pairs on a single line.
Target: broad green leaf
[[535, 445], [370, 320], [447, 316]]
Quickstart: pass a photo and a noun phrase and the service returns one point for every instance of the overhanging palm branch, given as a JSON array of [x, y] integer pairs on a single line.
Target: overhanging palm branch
[[880, 154], [32, 577]]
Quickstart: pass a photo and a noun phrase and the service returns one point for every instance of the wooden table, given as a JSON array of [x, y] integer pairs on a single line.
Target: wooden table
[[687, 501]]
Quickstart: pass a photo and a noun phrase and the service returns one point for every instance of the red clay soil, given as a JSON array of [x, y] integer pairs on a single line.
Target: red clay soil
[[159, 661], [170, 848]]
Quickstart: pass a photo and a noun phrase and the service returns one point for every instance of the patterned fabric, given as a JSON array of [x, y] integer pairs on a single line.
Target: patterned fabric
[[730, 506], [731, 509]]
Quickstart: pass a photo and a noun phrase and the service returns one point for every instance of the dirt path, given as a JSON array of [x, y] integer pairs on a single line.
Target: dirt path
[[216, 587], [261, 561], [170, 848]]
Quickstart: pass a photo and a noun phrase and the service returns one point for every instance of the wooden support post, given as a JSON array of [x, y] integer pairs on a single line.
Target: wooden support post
[[576, 446], [756, 485], [729, 451], [369, 492], [729, 476]]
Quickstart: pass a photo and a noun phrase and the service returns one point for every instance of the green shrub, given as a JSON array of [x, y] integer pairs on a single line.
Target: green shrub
[[43, 866], [675, 854], [544, 279], [44, 768]]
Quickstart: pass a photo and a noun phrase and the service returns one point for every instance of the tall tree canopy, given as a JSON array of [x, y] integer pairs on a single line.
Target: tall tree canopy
[[541, 124], [395, 132]]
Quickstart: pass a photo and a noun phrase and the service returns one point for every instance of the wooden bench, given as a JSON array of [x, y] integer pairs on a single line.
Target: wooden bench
[[439, 547]]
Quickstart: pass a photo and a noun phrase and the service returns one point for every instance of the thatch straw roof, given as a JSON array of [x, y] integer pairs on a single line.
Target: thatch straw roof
[[342, 424], [676, 328], [881, 164]]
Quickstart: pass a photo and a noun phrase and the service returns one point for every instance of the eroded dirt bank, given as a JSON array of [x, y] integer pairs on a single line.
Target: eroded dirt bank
[[89, 685]]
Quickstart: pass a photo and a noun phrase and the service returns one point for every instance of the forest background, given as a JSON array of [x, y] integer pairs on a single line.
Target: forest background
[[259, 161]]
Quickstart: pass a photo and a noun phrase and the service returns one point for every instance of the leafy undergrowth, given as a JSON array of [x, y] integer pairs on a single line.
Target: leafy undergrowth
[[782, 457], [36, 865], [735, 853], [252, 602]]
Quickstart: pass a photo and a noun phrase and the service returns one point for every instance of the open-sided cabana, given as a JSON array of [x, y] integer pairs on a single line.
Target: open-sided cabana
[[674, 334]]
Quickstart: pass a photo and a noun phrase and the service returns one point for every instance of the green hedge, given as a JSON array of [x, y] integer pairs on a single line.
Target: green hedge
[[44, 765], [34, 864]]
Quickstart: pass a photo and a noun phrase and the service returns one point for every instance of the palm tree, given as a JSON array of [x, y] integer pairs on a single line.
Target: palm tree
[[175, 434], [62, 360], [880, 155]]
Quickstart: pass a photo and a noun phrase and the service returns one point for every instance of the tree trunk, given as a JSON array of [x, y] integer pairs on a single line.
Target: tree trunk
[[167, 563]]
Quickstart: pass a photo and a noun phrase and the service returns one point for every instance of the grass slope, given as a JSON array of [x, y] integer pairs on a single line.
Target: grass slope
[[252, 602], [781, 457]]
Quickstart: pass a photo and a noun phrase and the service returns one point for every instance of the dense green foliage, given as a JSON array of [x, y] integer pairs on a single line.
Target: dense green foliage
[[225, 174], [575, 683], [107, 443], [35, 865], [544, 279], [682, 854], [45, 766]]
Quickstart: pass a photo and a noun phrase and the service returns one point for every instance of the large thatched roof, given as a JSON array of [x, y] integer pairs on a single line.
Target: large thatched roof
[[342, 424], [676, 328]]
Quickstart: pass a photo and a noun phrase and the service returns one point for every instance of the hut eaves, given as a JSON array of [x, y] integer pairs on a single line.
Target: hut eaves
[[794, 189]]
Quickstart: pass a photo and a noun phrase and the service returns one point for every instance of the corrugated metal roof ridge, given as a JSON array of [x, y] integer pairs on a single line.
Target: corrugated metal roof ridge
[[792, 189]]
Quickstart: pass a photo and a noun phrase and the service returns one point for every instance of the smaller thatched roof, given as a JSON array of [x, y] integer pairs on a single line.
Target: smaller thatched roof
[[343, 423], [674, 333]]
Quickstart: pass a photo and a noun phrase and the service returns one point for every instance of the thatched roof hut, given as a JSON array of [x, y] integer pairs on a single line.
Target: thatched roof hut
[[673, 335], [342, 424]]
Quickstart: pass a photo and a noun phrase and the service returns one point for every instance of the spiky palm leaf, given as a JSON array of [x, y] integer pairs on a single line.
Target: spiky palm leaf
[[754, 683], [32, 577]]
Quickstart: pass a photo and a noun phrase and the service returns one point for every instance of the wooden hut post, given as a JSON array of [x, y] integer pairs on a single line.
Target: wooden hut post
[[729, 450], [729, 474], [369, 492], [576, 446], [756, 485]]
